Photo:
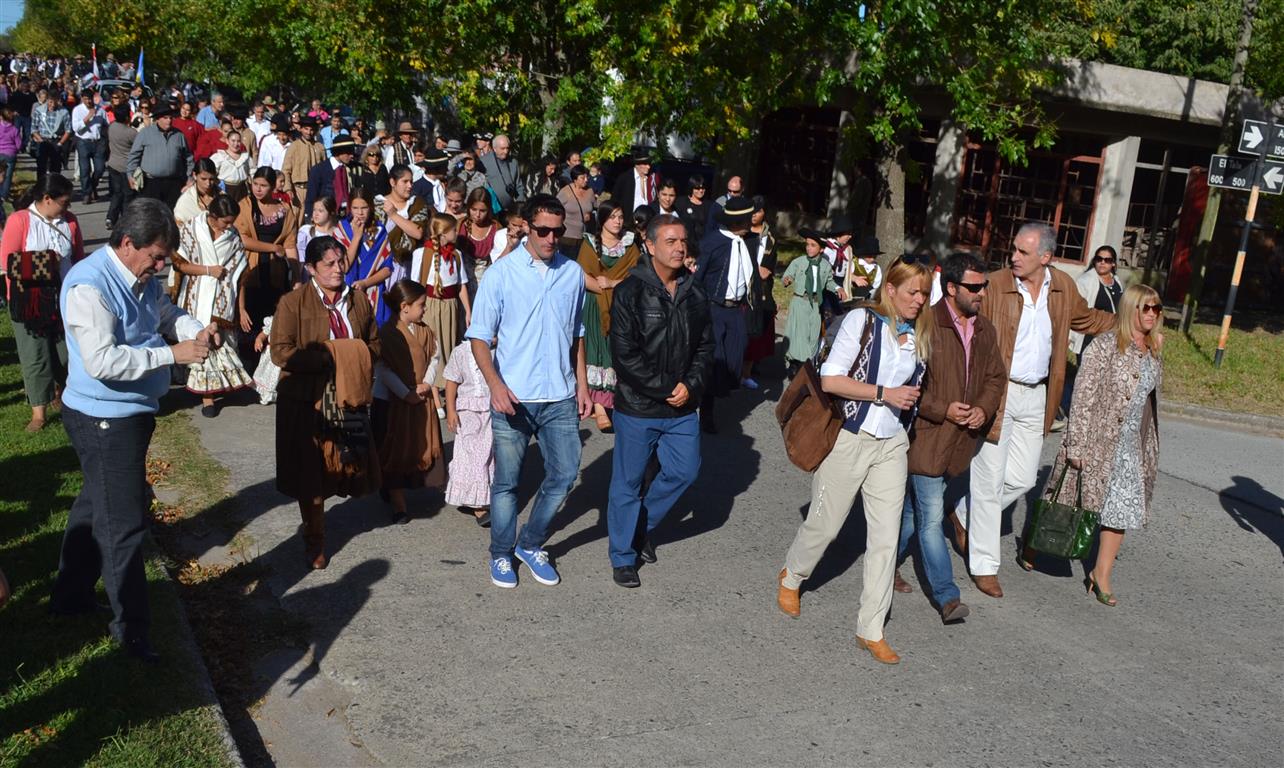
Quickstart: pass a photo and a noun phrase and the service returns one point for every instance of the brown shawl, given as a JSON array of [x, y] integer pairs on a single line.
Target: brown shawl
[[591, 262], [1104, 388], [413, 440]]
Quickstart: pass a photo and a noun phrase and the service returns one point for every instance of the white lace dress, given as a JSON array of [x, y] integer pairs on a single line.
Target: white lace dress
[[1125, 504]]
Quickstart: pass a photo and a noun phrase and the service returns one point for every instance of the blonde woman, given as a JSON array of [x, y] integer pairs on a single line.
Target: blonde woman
[[1113, 434], [874, 370]]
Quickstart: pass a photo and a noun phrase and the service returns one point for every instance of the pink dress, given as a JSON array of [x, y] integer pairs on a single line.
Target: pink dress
[[472, 465]]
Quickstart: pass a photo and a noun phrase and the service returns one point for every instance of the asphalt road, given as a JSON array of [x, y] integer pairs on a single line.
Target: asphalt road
[[417, 660]]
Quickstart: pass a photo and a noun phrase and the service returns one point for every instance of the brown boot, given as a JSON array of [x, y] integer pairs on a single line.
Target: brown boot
[[787, 598], [953, 611], [880, 650], [960, 534], [989, 585], [901, 585]]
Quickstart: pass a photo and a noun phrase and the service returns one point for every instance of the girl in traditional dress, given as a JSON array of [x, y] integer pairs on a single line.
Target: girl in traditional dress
[[439, 267], [211, 268], [810, 277], [233, 164], [472, 465], [404, 414], [606, 261], [268, 230], [369, 257], [479, 230], [324, 221], [404, 215]]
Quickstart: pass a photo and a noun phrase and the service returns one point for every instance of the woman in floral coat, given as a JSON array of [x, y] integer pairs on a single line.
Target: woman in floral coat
[[1113, 434]]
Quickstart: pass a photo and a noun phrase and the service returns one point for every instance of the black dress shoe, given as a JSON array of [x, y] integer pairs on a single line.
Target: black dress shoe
[[209, 411], [647, 551], [627, 576], [139, 648], [484, 519]]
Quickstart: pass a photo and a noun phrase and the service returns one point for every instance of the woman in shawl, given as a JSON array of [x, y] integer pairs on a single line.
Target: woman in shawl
[[269, 229], [606, 260], [370, 265], [213, 260]]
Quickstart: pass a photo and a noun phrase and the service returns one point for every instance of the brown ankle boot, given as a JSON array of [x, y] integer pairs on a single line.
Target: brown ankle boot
[[787, 598], [880, 650]]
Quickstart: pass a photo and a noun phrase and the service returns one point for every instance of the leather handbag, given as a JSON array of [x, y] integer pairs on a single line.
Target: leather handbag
[[1059, 529]]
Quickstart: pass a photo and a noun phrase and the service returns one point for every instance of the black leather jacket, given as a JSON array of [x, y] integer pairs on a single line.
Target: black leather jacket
[[658, 340]]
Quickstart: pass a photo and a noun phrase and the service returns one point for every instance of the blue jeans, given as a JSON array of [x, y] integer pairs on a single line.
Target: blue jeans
[[23, 124], [924, 511], [676, 443], [557, 428], [6, 180], [91, 153]]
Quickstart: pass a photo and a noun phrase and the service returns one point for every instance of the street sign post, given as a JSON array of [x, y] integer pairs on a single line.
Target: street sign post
[[1230, 172], [1271, 179], [1252, 138]]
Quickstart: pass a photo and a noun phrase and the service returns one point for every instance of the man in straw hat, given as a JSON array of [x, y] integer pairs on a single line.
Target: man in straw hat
[[402, 151], [726, 274]]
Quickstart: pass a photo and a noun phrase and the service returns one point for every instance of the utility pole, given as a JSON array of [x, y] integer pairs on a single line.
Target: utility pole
[[1230, 120]]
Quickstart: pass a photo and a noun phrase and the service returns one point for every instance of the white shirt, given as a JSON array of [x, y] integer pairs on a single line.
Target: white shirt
[[739, 270], [92, 323], [639, 193], [91, 132], [438, 195], [341, 304], [876, 278], [388, 385], [272, 152], [231, 170], [831, 255], [261, 128], [896, 364], [452, 274], [1032, 354], [49, 235]]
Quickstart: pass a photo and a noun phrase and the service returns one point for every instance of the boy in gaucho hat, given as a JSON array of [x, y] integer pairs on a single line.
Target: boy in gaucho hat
[[726, 273]]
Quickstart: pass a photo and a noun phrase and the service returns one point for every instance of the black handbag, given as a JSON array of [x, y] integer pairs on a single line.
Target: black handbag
[[1063, 530]]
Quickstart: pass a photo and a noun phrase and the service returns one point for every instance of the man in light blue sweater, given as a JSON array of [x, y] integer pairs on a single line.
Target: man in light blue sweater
[[118, 362]]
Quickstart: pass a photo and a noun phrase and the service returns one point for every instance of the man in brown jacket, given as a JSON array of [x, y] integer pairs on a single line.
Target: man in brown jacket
[[1033, 307], [300, 156], [965, 381]]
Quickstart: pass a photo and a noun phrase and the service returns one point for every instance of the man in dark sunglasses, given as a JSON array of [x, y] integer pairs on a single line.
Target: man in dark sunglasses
[[959, 397], [531, 301]]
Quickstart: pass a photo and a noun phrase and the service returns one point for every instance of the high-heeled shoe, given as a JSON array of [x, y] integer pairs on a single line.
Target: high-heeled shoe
[[1105, 598]]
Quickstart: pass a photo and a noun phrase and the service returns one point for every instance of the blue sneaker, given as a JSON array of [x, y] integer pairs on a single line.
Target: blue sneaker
[[502, 573], [537, 561]]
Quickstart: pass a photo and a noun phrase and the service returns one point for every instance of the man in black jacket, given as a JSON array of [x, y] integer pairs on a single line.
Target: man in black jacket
[[727, 271], [662, 349]]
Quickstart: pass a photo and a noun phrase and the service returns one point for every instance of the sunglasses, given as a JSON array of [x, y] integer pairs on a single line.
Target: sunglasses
[[974, 287], [1157, 309], [1106, 259], [546, 231]]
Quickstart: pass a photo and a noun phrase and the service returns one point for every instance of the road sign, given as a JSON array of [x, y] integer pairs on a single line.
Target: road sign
[[1258, 137], [1230, 172], [1252, 138], [1271, 179]]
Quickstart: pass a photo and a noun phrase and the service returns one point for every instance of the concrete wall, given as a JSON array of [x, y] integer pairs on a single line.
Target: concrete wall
[[1114, 191]]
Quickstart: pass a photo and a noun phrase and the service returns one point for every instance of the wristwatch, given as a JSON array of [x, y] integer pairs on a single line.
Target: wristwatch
[[878, 395]]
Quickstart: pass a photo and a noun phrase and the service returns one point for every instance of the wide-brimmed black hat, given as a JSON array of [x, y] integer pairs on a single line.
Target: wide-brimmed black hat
[[307, 121], [841, 224], [435, 161], [163, 109], [737, 210], [281, 123], [867, 246], [808, 233], [641, 155], [343, 143]]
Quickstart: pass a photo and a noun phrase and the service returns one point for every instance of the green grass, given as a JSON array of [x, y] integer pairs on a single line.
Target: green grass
[[1248, 381], [69, 696]]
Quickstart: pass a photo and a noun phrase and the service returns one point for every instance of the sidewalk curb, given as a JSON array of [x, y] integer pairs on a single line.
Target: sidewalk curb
[[1252, 423]]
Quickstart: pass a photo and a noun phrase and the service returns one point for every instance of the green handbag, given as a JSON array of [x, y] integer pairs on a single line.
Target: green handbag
[[1063, 530]]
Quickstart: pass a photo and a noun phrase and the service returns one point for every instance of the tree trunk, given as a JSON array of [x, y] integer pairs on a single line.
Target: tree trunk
[[889, 220]]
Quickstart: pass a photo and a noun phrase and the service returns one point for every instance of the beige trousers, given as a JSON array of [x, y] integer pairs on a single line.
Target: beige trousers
[[876, 467]]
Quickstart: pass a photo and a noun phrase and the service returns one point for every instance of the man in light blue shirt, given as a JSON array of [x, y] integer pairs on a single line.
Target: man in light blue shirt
[[209, 114], [532, 302], [333, 130]]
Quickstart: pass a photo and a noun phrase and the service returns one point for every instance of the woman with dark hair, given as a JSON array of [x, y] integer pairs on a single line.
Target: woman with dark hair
[[606, 260], [323, 333], [213, 260], [369, 265], [479, 234], [545, 180], [579, 202], [40, 235], [196, 198], [268, 229], [404, 215]]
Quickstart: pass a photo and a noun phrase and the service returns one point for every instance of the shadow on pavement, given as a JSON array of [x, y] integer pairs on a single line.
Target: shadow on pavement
[[1254, 508]]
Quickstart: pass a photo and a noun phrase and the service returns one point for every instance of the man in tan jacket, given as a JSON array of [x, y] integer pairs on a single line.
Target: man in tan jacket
[[1033, 307], [965, 379], [300, 156]]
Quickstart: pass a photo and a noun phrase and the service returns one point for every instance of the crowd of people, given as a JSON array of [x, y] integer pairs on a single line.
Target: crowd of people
[[369, 285]]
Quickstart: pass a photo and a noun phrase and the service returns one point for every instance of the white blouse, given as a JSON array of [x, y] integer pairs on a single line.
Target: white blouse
[[232, 170], [452, 272], [896, 364]]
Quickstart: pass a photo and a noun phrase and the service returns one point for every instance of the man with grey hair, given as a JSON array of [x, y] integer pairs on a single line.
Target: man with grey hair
[[502, 172], [1033, 307]]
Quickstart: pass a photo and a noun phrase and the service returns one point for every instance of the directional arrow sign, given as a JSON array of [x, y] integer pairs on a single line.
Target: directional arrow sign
[[1272, 178], [1252, 139], [1275, 141], [1231, 172]]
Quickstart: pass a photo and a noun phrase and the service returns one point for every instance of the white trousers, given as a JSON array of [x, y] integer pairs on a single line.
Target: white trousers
[[876, 468], [1002, 472]]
